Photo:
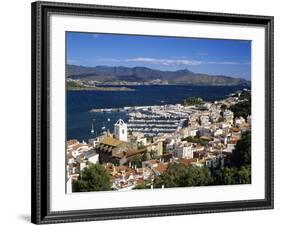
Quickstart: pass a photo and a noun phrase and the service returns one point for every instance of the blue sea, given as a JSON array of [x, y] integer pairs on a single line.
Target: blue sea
[[79, 104]]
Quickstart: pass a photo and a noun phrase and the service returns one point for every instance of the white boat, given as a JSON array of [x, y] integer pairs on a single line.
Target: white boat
[[92, 130]]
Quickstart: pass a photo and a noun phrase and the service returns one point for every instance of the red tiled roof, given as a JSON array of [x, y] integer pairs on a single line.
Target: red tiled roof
[[188, 161], [235, 129], [132, 152], [161, 167]]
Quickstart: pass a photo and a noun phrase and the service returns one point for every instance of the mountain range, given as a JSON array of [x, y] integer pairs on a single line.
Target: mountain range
[[131, 75]]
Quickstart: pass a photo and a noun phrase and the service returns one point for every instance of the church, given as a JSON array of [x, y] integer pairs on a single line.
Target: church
[[117, 149]]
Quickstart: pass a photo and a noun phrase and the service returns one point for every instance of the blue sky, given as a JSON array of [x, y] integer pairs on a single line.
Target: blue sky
[[210, 56]]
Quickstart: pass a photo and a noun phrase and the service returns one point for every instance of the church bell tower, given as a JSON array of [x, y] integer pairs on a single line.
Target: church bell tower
[[121, 130]]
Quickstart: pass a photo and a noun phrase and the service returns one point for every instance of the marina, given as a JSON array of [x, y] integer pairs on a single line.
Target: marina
[[152, 120]]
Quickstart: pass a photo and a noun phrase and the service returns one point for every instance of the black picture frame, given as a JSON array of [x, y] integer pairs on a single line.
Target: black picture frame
[[40, 211]]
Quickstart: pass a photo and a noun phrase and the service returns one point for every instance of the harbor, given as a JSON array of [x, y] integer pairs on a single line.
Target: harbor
[[152, 120], [148, 104]]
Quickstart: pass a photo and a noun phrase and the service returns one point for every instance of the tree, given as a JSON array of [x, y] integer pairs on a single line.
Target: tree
[[145, 156], [196, 139], [216, 176], [94, 177], [244, 175], [239, 166], [229, 175], [193, 101], [153, 153], [137, 160], [242, 108], [141, 145], [223, 107], [232, 175], [180, 175], [241, 155], [245, 95]]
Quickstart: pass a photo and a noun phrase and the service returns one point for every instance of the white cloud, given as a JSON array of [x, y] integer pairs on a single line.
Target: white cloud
[[166, 62], [182, 61], [224, 62]]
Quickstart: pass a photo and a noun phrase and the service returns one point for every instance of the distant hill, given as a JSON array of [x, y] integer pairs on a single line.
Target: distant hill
[[127, 75]]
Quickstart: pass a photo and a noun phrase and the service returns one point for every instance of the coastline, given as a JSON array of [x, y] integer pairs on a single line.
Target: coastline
[[99, 89], [85, 106]]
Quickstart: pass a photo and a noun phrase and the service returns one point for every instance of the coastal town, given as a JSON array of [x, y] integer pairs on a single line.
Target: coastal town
[[194, 133]]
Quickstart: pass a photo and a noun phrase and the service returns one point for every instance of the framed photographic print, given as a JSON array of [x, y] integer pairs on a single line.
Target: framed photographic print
[[141, 112]]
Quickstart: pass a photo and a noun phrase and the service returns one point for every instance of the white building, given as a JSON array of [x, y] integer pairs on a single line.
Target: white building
[[230, 148], [205, 120], [92, 157], [170, 144], [218, 132], [207, 105], [228, 116], [239, 121], [142, 141], [121, 130], [192, 132], [94, 141], [82, 165], [184, 151]]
